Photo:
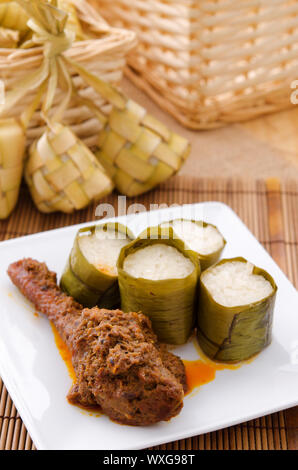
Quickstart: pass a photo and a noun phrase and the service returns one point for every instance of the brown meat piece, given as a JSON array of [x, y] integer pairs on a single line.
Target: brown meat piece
[[118, 363]]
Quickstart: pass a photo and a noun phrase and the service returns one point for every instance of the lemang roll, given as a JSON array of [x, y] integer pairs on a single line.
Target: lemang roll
[[90, 275], [159, 278], [236, 303]]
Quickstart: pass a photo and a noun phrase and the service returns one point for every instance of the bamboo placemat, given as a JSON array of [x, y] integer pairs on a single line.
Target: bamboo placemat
[[270, 210]]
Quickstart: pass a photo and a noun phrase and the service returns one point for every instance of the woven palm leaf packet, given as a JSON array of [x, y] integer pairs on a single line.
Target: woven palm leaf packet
[[203, 239], [62, 173]]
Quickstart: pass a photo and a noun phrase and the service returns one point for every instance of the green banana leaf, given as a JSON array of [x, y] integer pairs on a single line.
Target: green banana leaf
[[233, 334], [77, 289]]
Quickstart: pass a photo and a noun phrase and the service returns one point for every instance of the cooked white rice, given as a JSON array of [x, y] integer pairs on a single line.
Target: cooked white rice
[[233, 284], [102, 249], [203, 240], [157, 262]]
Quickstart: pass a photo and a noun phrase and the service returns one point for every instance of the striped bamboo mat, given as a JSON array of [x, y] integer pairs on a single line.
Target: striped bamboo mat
[[270, 210]]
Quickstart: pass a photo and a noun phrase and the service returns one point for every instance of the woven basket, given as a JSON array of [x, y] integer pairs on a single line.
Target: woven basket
[[211, 62], [103, 55]]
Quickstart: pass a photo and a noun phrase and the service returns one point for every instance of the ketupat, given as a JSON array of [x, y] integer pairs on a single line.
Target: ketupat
[[62, 173], [234, 333], [138, 151], [169, 303]]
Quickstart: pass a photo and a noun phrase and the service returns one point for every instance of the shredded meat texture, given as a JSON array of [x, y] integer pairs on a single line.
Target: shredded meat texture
[[118, 362]]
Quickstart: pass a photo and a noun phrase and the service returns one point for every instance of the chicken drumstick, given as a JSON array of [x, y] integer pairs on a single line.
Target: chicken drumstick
[[118, 362]]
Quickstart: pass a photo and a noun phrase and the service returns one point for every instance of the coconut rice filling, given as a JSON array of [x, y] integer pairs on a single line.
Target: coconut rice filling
[[234, 284], [158, 262], [102, 249]]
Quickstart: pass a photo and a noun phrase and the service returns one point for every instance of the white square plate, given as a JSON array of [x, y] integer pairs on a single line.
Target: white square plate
[[37, 379]]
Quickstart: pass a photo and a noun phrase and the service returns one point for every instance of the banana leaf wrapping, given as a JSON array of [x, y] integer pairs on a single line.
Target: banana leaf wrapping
[[234, 334], [170, 303], [205, 260], [83, 281]]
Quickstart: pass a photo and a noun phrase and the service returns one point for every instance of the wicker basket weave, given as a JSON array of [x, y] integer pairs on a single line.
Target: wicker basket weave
[[211, 62], [104, 55]]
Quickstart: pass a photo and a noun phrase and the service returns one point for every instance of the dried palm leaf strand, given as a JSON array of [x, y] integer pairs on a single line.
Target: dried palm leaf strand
[[63, 174]]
